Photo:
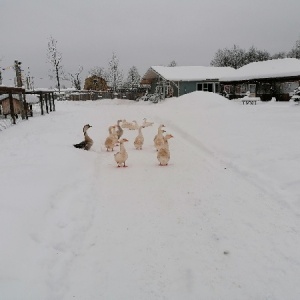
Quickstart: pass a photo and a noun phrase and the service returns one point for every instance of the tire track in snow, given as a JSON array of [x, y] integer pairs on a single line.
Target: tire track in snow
[[266, 186], [72, 211]]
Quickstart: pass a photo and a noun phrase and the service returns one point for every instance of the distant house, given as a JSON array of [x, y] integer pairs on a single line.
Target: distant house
[[265, 79], [180, 80]]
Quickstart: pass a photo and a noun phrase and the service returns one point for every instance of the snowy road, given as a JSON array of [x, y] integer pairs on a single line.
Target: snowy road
[[205, 227]]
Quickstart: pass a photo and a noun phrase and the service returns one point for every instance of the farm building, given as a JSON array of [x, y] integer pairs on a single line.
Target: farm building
[[265, 79], [180, 80]]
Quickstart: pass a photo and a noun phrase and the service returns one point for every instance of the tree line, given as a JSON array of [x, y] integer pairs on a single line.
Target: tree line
[[99, 78], [236, 57], [113, 76]]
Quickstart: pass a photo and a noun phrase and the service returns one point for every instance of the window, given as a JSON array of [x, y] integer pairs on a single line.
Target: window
[[252, 88], [206, 87]]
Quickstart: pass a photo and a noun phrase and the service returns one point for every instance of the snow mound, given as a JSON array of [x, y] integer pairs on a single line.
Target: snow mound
[[200, 99]]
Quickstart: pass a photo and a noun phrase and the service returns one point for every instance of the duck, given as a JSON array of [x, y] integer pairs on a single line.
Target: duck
[[134, 125], [159, 138], [126, 124], [122, 155], [139, 140], [112, 139], [88, 142], [146, 123], [119, 129], [163, 154]]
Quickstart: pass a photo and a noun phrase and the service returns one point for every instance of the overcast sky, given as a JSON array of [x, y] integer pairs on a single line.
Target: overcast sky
[[142, 33]]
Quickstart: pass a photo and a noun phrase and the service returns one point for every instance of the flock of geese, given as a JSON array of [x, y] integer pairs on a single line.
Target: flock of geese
[[115, 132]]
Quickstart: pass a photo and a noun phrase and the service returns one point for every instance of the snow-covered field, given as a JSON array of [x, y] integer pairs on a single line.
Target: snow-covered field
[[220, 222]]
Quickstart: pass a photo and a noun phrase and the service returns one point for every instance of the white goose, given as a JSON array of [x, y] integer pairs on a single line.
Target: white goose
[[121, 156], [126, 124], [112, 139], [119, 129], [134, 125], [159, 138], [139, 140], [146, 123], [163, 154]]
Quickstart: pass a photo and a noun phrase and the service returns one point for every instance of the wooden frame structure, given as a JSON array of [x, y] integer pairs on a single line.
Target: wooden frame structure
[[45, 97]]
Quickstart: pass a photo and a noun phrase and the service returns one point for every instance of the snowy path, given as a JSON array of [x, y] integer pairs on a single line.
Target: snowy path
[[128, 241], [197, 227]]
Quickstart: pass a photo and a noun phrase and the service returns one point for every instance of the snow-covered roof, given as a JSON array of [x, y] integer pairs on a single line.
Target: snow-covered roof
[[4, 96], [29, 98], [286, 67], [187, 73]]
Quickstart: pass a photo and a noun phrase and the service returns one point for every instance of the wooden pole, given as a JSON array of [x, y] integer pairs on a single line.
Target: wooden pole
[[46, 101], [53, 101], [50, 101], [22, 105], [25, 105], [41, 102], [12, 110]]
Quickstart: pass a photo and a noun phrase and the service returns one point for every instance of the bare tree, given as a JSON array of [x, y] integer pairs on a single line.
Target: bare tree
[[75, 79], [278, 55], [172, 64], [295, 52], [55, 58], [253, 55], [114, 74], [237, 57], [98, 71], [133, 78], [229, 58]]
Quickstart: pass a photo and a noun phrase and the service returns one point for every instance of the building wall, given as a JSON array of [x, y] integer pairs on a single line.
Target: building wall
[[281, 89], [186, 87], [6, 106]]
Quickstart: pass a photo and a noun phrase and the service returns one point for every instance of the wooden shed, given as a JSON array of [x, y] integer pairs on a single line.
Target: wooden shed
[[12, 102], [5, 108]]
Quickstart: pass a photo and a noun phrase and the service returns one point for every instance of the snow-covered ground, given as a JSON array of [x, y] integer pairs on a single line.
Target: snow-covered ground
[[220, 222]]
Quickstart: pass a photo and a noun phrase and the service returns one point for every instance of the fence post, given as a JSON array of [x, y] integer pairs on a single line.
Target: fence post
[[12, 109], [46, 102], [41, 101]]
